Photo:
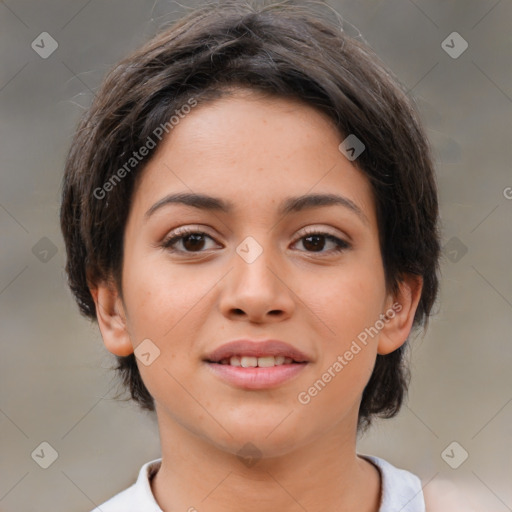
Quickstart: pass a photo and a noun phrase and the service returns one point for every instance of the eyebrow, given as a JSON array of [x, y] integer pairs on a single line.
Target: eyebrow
[[289, 205]]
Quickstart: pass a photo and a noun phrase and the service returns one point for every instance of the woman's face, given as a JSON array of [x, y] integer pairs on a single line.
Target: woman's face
[[274, 265]]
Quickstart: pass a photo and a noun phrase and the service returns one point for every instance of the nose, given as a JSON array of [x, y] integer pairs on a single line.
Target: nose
[[257, 290]]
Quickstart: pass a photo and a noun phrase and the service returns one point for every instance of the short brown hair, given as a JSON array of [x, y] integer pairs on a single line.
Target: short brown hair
[[287, 51]]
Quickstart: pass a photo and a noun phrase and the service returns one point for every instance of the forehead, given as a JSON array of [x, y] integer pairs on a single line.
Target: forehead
[[253, 152]]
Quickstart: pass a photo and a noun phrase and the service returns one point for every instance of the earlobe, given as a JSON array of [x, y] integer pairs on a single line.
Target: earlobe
[[111, 319], [400, 314]]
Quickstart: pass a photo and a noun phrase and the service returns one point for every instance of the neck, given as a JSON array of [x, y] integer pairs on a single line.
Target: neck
[[322, 476]]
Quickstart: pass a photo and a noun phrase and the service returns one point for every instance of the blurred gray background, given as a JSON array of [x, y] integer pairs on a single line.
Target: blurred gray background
[[55, 381]]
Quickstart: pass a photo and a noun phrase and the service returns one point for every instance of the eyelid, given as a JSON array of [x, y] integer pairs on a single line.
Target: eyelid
[[307, 230], [342, 242], [324, 231], [316, 229], [183, 231], [192, 228]]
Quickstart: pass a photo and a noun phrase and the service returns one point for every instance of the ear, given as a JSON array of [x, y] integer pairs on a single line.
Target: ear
[[401, 308], [111, 318]]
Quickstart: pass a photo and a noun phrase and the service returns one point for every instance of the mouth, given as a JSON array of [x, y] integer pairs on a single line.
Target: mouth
[[248, 353], [256, 365], [267, 361]]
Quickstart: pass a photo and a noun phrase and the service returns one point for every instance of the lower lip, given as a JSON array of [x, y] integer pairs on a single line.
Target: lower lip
[[256, 378]]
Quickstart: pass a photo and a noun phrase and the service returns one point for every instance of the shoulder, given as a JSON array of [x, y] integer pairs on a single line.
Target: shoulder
[[400, 489], [136, 498], [446, 496], [405, 490], [121, 501]]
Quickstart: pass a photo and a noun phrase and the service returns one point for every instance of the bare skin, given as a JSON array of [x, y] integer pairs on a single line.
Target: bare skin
[[255, 152]]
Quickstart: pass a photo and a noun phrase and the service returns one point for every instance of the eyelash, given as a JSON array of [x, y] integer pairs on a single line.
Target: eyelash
[[341, 245]]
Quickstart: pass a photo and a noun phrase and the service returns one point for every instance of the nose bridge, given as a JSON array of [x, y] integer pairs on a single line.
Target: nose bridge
[[255, 286], [257, 263]]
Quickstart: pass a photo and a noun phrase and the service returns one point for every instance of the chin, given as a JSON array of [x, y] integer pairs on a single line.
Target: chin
[[267, 438]]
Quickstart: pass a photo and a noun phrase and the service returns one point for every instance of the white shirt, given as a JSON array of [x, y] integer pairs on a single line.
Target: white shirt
[[401, 491]]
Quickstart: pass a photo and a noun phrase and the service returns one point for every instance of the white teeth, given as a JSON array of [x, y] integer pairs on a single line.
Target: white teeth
[[266, 362], [234, 361], [249, 362], [253, 362]]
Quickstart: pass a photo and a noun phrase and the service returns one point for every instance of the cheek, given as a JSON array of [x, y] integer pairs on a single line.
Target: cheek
[[161, 296], [335, 394], [348, 301], [349, 306]]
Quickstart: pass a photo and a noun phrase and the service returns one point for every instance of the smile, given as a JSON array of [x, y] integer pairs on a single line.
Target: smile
[[256, 373], [257, 362], [253, 365]]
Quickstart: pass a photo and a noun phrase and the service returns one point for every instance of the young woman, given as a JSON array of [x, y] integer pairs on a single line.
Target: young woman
[[250, 214]]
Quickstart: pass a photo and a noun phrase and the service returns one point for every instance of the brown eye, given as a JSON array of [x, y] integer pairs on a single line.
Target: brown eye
[[316, 242], [191, 241]]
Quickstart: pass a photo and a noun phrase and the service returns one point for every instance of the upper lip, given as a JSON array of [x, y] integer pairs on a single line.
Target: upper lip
[[250, 348]]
